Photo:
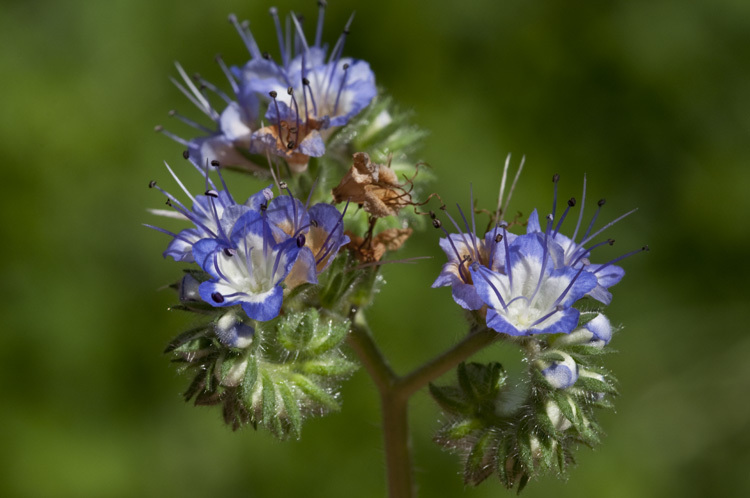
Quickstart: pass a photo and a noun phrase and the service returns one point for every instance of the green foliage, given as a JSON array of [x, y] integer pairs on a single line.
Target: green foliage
[[290, 371], [495, 433]]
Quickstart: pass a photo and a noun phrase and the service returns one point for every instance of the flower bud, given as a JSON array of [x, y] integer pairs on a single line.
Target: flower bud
[[560, 374], [189, 289], [596, 332], [556, 416], [231, 331]]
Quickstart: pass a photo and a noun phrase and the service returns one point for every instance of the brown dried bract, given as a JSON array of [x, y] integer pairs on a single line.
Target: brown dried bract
[[374, 249], [374, 186]]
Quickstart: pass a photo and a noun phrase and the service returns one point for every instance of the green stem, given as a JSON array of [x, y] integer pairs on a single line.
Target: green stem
[[395, 392]]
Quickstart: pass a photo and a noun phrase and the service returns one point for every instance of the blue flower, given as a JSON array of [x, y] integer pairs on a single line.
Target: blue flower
[[213, 215], [308, 91], [576, 254], [464, 249], [318, 231], [229, 142], [251, 271], [532, 296]]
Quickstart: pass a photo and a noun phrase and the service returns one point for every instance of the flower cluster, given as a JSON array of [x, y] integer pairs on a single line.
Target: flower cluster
[[253, 251], [542, 291], [528, 284], [286, 108]]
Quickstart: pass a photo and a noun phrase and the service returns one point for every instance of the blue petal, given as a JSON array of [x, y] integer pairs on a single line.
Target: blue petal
[[203, 251], [466, 296], [533, 224], [264, 306]]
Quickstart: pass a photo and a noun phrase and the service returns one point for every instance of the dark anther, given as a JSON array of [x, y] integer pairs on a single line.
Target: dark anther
[[168, 203], [229, 251], [263, 207], [601, 202], [212, 193], [282, 185], [555, 178], [305, 81], [322, 3], [432, 214], [266, 56], [217, 297], [293, 129], [196, 76], [185, 154], [152, 184], [346, 66], [572, 201], [498, 237], [290, 145], [290, 90], [172, 113], [611, 242], [437, 223], [314, 223], [346, 31], [273, 94], [158, 128], [300, 240], [645, 248], [443, 207], [215, 163]]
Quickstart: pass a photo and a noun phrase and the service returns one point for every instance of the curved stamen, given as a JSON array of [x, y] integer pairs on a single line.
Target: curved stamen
[[321, 16], [247, 37], [290, 91], [571, 203], [228, 73], [600, 204], [182, 141], [608, 225], [631, 253], [586, 252], [472, 235], [555, 180], [167, 232], [570, 286], [580, 214], [189, 122], [341, 88], [475, 267], [545, 252], [279, 35], [330, 234], [545, 317]]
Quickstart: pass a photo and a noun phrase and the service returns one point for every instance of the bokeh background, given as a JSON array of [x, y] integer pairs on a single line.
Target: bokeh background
[[649, 97]]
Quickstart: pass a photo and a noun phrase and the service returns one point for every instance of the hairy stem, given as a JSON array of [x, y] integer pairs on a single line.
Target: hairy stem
[[395, 392]]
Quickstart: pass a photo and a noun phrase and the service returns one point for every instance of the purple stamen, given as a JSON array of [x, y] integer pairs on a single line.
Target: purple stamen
[[507, 258], [247, 38], [312, 189], [600, 204], [580, 214], [571, 203], [631, 253], [570, 285], [586, 252], [608, 225], [341, 88], [545, 252], [273, 95], [476, 268], [473, 236], [328, 238], [290, 91], [321, 16], [300, 33], [215, 89], [189, 122], [279, 34], [182, 141], [228, 74], [555, 180], [545, 317], [458, 255]]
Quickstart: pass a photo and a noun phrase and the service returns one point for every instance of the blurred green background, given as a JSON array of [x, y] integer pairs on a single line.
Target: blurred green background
[[650, 98]]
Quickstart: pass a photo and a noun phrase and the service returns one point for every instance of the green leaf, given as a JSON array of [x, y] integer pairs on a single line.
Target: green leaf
[[293, 417]]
